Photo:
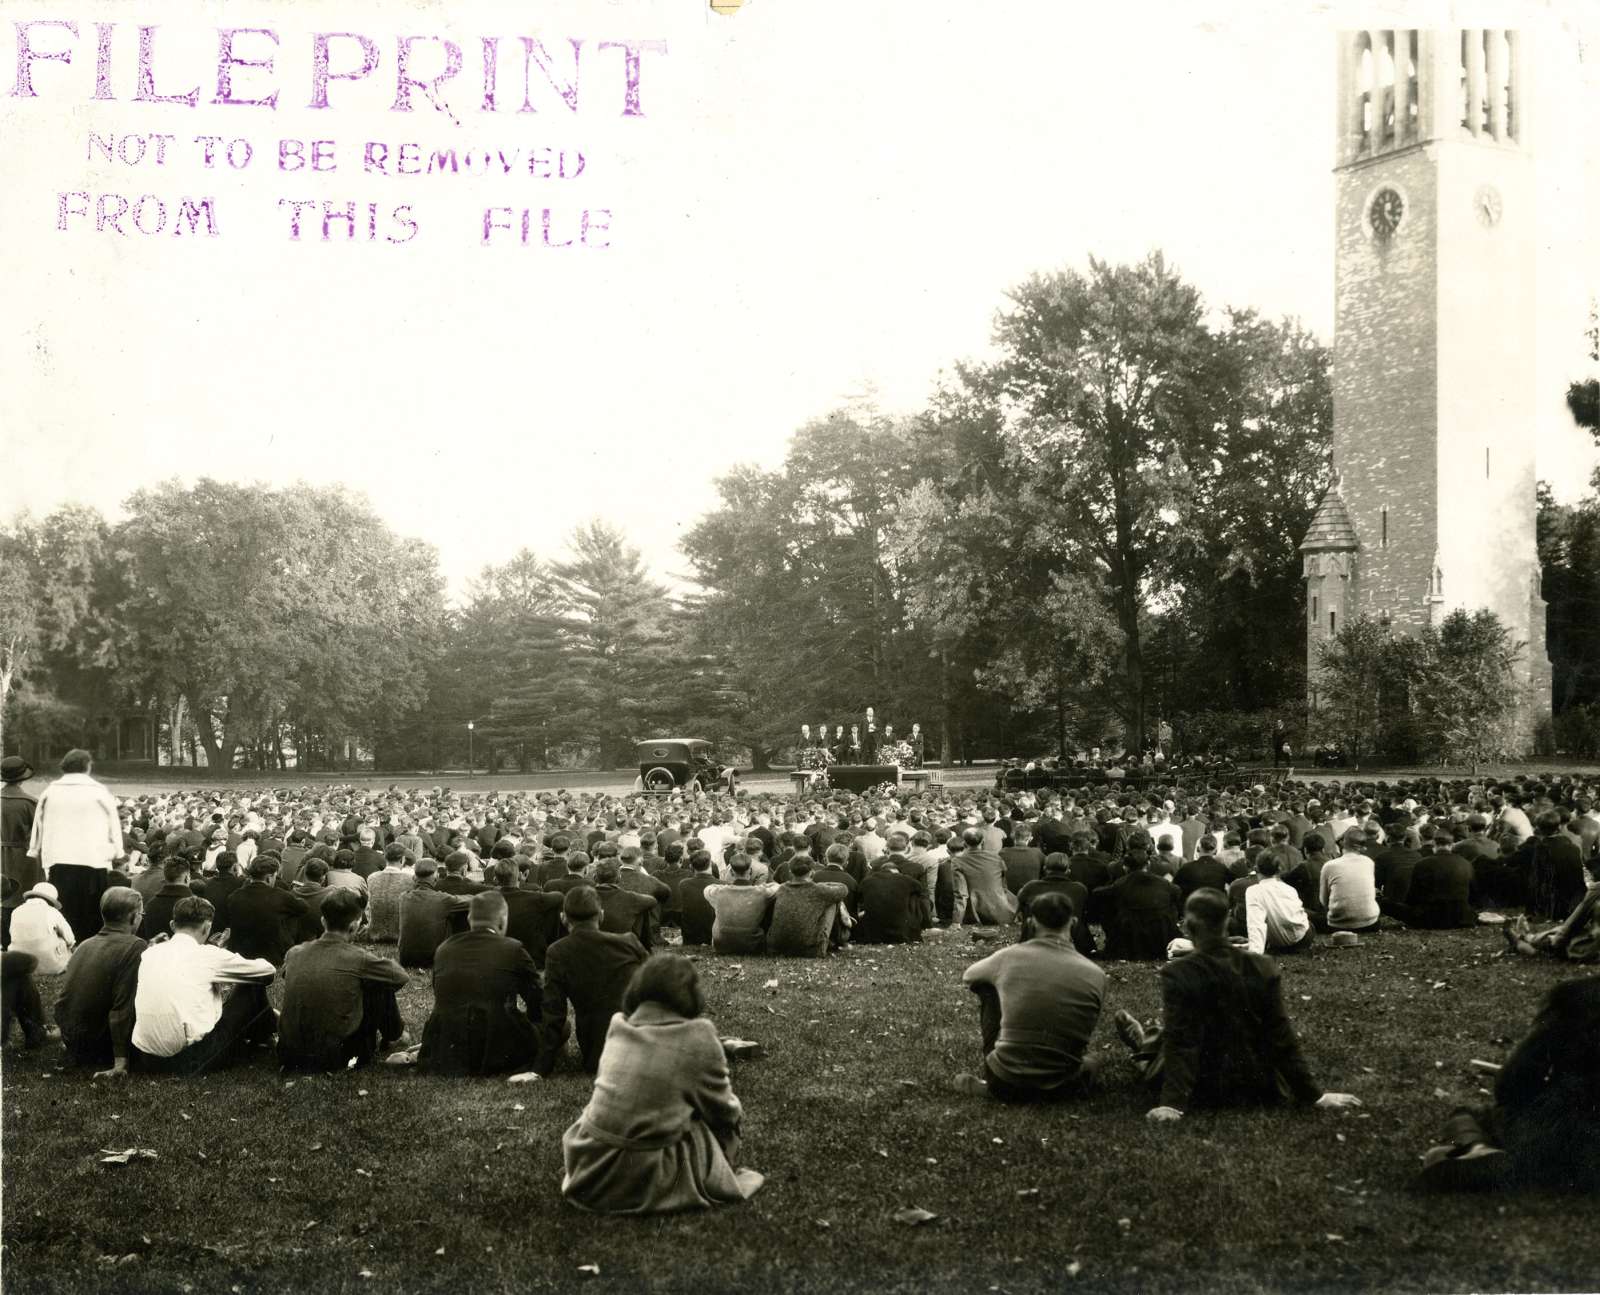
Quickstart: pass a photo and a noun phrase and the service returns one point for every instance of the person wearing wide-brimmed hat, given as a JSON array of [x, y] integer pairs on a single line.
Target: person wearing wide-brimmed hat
[[39, 928], [17, 807], [77, 836]]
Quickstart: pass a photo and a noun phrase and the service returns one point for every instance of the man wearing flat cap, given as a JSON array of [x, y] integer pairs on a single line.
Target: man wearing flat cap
[[17, 807]]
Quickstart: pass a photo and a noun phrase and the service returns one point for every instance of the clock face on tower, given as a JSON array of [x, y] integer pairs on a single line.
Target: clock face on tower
[[1385, 212], [1486, 203]]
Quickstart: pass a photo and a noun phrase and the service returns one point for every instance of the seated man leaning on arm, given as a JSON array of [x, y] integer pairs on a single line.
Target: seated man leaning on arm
[[1225, 1039], [1038, 1004], [476, 1027], [198, 1006], [338, 998], [1275, 919]]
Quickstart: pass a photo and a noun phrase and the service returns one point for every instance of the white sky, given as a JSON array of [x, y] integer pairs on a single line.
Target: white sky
[[821, 198]]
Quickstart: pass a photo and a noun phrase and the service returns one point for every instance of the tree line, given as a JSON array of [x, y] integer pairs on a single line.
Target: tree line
[[1091, 537]]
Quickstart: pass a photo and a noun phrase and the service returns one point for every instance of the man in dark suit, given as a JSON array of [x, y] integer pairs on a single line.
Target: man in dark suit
[[553, 866], [1394, 865], [428, 917], [834, 874], [590, 969], [572, 877], [632, 876], [1225, 1038], [455, 881], [476, 1027], [265, 921], [623, 910], [1056, 881], [533, 917], [1024, 861], [1439, 897], [1139, 912], [369, 859], [218, 888], [894, 908], [696, 917], [1205, 869], [1087, 866], [158, 906]]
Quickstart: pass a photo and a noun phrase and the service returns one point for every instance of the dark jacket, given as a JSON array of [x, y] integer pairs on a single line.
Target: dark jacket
[[894, 908], [95, 1009], [476, 1027], [454, 884], [1058, 884], [1139, 914], [1439, 897], [218, 888], [695, 914], [368, 861], [625, 911], [1205, 870], [16, 827], [1023, 864], [158, 909], [324, 983], [1225, 1037], [265, 922], [428, 917], [589, 969], [533, 919], [1555, 876], [832, 875]]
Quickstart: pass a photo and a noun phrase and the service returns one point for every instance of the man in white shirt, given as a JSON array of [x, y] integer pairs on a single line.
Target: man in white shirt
[[77, 836], [198, 1005], [1348, 888], [1275, 919]]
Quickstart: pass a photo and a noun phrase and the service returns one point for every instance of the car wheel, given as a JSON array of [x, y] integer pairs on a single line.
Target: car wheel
[[659, 779]]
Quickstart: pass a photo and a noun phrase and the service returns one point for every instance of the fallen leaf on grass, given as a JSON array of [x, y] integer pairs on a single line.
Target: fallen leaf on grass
[[110, 1157], [1439, 1092], [1333, 1236], [364, 1273], [1028, 1193], [912, 1216], [315, 1146], [1125, 1224], [589, 1270], [1074, 1268], [439, 1251], [308, 1225], [365, 1173], [746, 1048], [525, 1077], [519, 1107], [822, 1223], [771, 986]]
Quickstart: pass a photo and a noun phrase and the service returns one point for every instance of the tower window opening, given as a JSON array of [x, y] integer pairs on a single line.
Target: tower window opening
[[1384, 538], [1333, 622], [1314, 614], [1485, 462]]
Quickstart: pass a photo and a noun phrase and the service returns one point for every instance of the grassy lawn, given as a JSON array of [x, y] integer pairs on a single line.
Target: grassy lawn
[[385, 1181]]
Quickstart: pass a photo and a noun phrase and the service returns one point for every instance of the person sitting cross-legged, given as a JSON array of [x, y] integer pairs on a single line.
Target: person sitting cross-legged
[[804, 913], [589, 968], [338, 998], [22, 1004], [95, 1009], [476, 1027], [1038, 1004], [1225, 1039], [198, 1006], [661, 1130]]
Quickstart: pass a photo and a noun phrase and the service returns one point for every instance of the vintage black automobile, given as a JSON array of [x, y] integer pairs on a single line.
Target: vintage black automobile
[[668, 763]]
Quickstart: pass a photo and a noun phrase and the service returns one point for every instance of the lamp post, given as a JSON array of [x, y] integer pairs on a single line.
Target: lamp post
[[470, 727]]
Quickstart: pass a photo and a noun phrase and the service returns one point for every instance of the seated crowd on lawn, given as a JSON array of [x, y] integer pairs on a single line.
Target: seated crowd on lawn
[[535, 916]]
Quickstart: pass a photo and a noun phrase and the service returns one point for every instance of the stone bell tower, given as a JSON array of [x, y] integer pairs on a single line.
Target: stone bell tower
[[1432, 502]]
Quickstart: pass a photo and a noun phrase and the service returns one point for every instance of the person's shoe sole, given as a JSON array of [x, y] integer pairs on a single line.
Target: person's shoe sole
[[970, 1086], [1128, 1029]]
